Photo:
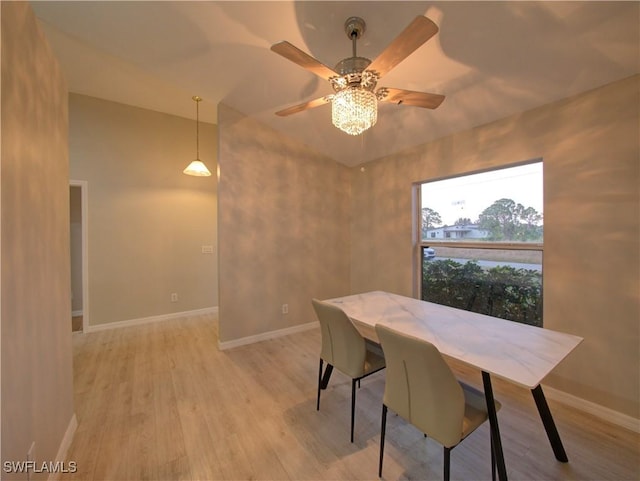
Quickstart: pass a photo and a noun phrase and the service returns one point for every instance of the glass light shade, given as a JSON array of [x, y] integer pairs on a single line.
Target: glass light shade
[[354, 110], [197, 168]]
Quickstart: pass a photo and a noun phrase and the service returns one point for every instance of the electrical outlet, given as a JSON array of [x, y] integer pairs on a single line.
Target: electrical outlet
[[285, 308], [174, 297]]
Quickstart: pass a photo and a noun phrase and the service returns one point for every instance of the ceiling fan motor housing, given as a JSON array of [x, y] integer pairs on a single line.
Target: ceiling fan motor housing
[[352, 65]]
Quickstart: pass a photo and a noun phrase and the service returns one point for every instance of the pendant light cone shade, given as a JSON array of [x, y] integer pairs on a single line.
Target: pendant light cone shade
[[197, 167]]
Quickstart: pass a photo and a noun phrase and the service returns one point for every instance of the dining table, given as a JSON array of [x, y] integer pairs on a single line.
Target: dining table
[[518, 353]]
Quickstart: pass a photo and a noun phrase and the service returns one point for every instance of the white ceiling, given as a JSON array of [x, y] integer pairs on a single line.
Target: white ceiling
[[490, 59]]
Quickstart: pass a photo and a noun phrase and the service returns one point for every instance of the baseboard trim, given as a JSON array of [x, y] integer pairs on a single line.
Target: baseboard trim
[[147, 320], [65, 444], [243, 341], [604, 413]]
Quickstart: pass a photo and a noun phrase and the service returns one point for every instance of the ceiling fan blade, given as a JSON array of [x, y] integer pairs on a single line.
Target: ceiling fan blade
[[304, 106], [409, 97], [303, 59], [412, 37]]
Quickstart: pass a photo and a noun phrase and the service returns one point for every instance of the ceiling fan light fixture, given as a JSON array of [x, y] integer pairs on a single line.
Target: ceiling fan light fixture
[[354, 110]]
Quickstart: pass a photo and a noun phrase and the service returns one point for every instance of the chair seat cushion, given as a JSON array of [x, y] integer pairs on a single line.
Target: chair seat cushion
[[374, 359]]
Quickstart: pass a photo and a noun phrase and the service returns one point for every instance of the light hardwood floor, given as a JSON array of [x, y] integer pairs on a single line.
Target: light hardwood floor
[[76, 323], [160, 401]]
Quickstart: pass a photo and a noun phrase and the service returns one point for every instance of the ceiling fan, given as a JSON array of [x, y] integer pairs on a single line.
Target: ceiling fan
[[354, 79]]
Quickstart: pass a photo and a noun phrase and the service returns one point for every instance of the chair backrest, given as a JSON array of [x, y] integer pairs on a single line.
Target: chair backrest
[[342, 345], [420, 386]]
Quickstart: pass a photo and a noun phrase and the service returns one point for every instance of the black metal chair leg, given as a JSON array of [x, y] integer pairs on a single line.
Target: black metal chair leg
[[323, 380], [447, 463], [319, 385], [383, 428], [353, 406]]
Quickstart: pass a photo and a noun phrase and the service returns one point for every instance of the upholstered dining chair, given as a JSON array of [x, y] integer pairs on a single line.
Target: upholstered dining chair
[[421, 388], [344, 348]]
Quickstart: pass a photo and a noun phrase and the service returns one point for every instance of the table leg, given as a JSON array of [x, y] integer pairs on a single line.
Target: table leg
[[549, 424], [326, 376], [495, 430]]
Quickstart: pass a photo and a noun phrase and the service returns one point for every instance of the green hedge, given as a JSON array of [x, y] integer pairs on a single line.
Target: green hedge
[[503, 291]]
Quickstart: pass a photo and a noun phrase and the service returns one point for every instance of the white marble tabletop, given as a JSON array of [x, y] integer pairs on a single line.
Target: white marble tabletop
[[516, 352]]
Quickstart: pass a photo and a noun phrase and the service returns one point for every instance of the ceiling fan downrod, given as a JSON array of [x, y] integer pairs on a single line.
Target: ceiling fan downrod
[[355, 28], [352, 67]]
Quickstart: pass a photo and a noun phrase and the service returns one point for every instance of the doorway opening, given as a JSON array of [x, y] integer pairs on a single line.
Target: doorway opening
[[78, 255]]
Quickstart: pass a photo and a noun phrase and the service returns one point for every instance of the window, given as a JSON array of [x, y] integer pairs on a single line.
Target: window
[[482, 241]]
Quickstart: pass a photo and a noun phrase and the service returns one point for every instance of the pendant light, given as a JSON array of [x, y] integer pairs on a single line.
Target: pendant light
[[197, 167]]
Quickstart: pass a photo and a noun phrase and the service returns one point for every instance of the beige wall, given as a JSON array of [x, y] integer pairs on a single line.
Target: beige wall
[[147, 221], [283, 228], [591, 154], [37, 391]]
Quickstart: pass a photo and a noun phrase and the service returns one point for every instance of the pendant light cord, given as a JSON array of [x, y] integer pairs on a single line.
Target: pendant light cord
[[198, 129]]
